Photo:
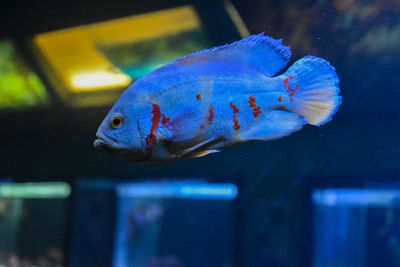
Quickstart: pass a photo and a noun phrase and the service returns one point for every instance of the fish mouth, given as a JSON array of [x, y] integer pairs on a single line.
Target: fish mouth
[[104, 143], [107, 144]]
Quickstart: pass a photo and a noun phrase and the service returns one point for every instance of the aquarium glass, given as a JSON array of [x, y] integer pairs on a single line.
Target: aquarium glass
[[317, 192]]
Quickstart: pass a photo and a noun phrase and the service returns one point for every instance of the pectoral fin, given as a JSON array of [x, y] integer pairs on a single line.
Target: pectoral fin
[[200, 149], [182, 126], [204, 153], [277, 124]]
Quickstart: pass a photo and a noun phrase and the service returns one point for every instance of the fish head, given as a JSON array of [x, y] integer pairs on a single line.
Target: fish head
[[119, 133]]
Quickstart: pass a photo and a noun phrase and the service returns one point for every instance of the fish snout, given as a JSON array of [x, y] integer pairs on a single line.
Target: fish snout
[[103, 143], [110, 145], [99, 145]]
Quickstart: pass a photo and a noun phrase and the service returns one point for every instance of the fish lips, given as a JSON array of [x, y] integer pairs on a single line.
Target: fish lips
[[106, 144], [100, 145]]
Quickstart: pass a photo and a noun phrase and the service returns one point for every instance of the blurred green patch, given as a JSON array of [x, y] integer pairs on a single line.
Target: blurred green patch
[[19, 86], [139, 58]]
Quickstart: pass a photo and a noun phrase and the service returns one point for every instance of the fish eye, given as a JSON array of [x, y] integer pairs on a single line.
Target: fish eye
[[116, 122]]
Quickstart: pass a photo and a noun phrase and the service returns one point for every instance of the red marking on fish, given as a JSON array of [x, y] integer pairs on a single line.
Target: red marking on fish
[[252, 101], [291, 91], [256, 111], [210, 114], [165, 119], [280, 99], [286, 81], [202, 127], [151, 138], [198, 97], [252, 105], [235, 109], [236, 124]]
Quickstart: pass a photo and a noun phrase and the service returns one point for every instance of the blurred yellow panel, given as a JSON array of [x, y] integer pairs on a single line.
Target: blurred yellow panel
[[145, 27], [84, 62]]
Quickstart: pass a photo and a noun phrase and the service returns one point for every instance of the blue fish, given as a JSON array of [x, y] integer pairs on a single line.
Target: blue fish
[[223, 96]]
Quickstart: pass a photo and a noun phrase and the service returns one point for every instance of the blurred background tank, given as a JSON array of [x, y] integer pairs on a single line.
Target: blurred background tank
[[356, 227], [152, 224], [174, 224], [33, 220]]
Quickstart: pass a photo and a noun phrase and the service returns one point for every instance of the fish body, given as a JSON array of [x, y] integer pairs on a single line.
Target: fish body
[[223, 96]]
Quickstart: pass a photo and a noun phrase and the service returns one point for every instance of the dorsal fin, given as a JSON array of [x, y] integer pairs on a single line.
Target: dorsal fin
[[256, 54], [259, 52]]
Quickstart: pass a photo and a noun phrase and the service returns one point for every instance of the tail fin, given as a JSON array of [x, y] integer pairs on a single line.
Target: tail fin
[[315, 94]]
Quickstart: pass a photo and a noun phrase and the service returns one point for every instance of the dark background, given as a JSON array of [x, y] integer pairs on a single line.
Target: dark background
[[359, 146]]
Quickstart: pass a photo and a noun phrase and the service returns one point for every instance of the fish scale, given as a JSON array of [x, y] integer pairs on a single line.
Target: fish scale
[[219, 98]]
